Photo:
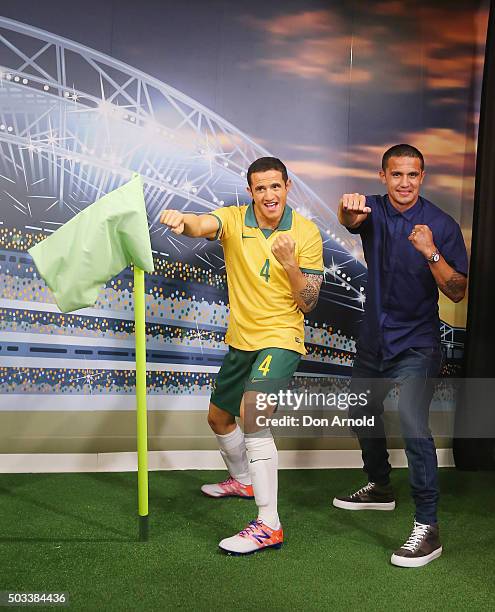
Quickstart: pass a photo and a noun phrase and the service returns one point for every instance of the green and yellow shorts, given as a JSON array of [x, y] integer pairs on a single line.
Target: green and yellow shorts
[[268, 370]]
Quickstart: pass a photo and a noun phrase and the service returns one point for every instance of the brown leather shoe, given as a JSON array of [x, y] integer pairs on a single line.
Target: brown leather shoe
[[369, 497], [422, 546]]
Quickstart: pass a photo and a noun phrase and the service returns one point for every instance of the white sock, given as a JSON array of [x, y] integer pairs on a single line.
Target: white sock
[[263, 467], [233, 450]]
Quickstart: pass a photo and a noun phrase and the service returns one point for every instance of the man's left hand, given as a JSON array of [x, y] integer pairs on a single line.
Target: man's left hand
[[283, 248], [422, 239]]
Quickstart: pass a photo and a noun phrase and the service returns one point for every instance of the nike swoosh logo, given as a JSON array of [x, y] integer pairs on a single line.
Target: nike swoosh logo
[[248, 236], [255, 460]]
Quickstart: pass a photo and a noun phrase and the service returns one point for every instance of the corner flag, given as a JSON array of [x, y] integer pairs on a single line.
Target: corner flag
[[85, 253], [94, 246]]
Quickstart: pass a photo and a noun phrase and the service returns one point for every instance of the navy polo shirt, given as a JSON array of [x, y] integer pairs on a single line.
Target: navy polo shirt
[[401, 308]]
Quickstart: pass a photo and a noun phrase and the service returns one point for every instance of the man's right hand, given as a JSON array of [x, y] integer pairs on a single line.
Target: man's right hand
[[354, 203], [353, 210], [174, 219]]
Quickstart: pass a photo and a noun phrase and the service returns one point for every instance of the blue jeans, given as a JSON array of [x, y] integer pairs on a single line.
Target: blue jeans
[[412, 370]]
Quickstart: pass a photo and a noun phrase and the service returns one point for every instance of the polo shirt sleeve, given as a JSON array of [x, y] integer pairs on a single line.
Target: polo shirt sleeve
[[225, 219], [311, 252], [453, 248]]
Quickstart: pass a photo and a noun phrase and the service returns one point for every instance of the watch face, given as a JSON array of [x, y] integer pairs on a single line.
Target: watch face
[[435, 257]]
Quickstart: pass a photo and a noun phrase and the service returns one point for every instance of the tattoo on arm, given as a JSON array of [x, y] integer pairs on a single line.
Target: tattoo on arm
[[455, 287], [309, 295]]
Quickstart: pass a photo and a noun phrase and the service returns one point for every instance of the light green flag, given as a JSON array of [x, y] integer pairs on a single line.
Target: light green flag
[[94, 246]]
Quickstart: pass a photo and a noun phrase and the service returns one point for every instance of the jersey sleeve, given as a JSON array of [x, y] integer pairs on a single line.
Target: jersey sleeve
[[453, 249], [311, 252], [225, 219]]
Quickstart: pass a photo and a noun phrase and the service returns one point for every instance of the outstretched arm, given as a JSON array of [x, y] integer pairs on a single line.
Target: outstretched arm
[[189, 224], [305, 287]]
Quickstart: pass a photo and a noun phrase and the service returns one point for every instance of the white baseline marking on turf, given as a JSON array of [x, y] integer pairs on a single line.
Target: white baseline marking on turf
[[191, 460]]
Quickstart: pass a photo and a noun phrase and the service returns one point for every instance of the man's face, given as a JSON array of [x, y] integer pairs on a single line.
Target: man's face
[[269, 192], [403, 177]]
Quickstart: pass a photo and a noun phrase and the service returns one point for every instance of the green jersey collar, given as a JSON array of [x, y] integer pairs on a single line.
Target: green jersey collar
[[285, 221]]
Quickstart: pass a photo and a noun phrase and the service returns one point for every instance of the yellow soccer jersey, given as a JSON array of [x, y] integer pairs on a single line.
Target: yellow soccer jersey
[[263, 312]]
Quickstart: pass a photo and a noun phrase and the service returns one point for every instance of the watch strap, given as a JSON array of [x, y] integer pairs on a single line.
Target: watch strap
[[434, 257]]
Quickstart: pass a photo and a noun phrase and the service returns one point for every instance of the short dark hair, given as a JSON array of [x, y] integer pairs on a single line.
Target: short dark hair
[[267, 163], [402, 150]]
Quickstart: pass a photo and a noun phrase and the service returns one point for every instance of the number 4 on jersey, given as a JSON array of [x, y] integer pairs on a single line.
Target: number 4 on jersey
[[265, 270], [265, 364]]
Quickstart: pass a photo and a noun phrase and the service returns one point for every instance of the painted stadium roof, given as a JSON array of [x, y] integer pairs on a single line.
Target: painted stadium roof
[[75, 123]]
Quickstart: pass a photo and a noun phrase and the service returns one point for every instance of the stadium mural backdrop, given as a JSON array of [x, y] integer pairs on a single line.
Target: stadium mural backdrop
[[188, 94]]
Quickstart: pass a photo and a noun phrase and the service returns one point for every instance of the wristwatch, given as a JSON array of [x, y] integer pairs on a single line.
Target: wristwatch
[[434, 257]]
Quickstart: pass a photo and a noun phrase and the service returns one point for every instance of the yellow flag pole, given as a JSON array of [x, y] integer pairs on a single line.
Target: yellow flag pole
[[142, 425]]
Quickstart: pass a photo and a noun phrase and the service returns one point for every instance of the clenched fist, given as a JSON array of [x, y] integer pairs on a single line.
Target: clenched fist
[[283, 248], [422, 239], [174, 219], [354, 203]]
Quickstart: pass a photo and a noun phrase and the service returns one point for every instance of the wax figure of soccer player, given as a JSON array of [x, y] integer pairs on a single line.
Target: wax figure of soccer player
[[274, 265], [412, 249]]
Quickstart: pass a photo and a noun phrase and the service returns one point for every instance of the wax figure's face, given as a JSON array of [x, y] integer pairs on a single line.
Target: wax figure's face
[[269, 192], [403, 177]]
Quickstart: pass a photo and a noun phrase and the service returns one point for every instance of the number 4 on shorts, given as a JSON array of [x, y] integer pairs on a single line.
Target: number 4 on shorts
[[265, 364], [265, 270]]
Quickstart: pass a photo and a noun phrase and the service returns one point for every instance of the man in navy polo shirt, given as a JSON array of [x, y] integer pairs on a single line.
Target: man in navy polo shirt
[[412, 249]]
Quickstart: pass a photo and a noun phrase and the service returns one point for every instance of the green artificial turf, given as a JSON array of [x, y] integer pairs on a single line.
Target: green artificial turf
[[77, 533]]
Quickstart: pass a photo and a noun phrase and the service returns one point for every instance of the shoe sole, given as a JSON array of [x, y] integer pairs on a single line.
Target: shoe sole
[[223, 496], [340, 503], [232, 553], [416, 561]]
